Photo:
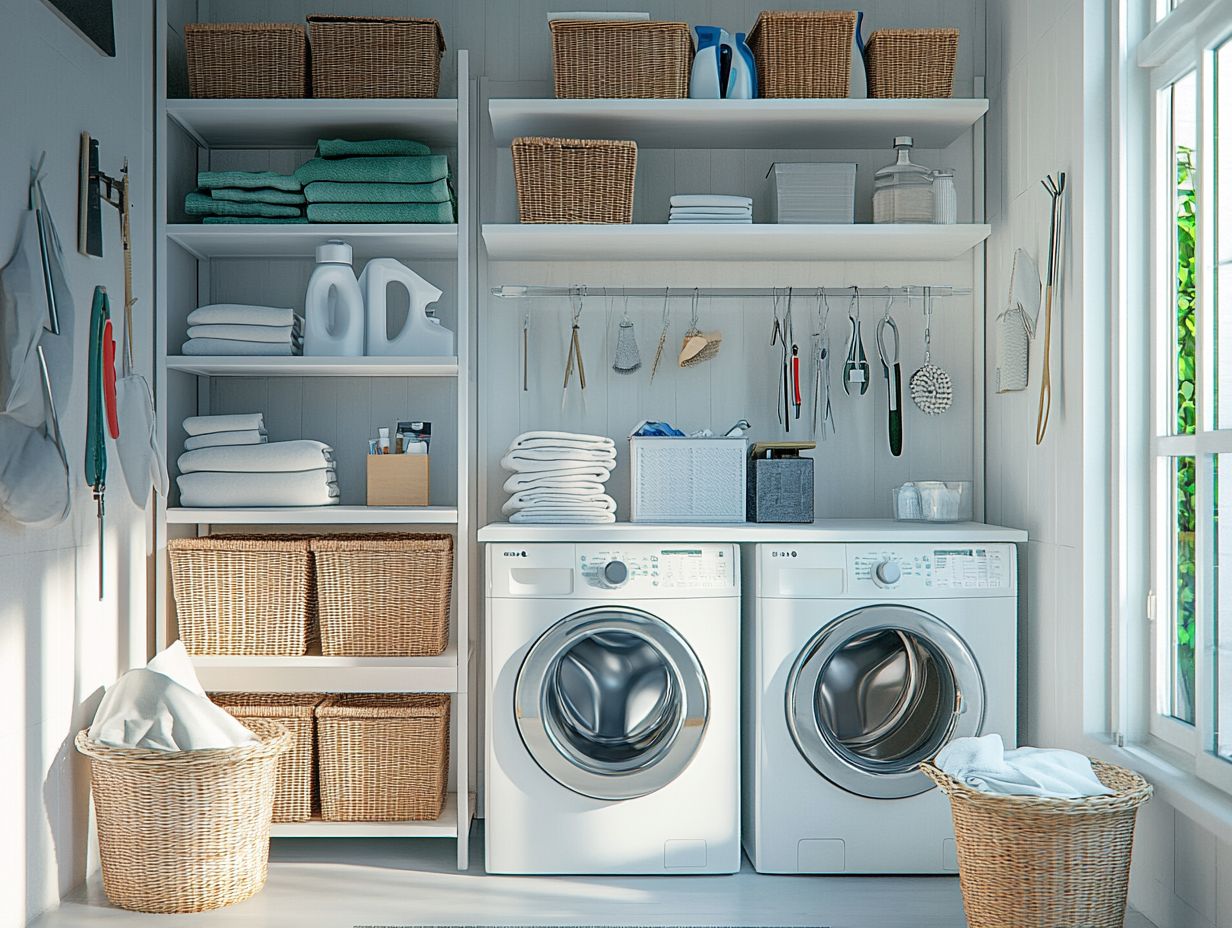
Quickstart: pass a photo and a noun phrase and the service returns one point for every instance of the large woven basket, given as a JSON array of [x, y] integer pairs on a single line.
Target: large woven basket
[[246, 60], [911, 62], [296, 712], [803, 53], [574, 180], [243, 594], [185, 831], [620, 59], [383, 594], [375, 56], [383, 757], [1026, 862]]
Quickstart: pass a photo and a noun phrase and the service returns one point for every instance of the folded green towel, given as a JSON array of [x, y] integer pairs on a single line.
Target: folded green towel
[[253, 220], [345, 148], [327, 191], [248, 180], [388, 170], [380, 212], [200, 204], [264, 195]]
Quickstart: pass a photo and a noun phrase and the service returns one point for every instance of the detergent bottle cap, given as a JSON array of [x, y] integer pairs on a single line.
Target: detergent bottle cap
[[334, 252]]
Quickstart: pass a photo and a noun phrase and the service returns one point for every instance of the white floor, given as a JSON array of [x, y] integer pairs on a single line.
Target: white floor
[[341, 883]]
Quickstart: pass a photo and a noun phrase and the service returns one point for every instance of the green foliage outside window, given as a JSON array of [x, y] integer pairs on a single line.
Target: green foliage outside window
[[1186, 422]]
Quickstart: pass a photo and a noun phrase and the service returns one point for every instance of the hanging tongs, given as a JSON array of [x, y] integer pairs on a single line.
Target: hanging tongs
[[781, 335], [1056, 189], [823, 412], [887, 350], [576, 299], [855, 367]]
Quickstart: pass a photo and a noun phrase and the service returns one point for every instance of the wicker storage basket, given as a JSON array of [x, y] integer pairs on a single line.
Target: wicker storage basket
[[574, 180], [803, 53], [242, 60], [296, 712], [620, 59], [375, 56], [243, 594], [383, 594], [1026, 862], [185, 831], [911, 62], [383, 757]]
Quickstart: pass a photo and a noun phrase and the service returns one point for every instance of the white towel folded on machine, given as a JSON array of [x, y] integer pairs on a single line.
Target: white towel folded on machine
[[207, 425], [559, 477], [241, 314], [226, 439], [275, 456], [710, 200], [302, 488], [984, 764]]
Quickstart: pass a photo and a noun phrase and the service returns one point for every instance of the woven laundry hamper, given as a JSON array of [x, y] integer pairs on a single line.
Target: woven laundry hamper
[[574, 180], [905, 63], [185, 831], [803, 53], [620, 60], [1027, 862], [246, 60], [375, 56], [296, 712]]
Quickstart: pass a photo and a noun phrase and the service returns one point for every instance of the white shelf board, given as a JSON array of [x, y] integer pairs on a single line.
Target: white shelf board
[[757, 242], [280, 240], [313, 366], [823, 530], [315, 515], [444, 827], [316, 673], [299, 123], [760, 124]]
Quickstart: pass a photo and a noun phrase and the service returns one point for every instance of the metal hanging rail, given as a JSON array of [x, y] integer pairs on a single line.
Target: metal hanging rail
[[515, 292]]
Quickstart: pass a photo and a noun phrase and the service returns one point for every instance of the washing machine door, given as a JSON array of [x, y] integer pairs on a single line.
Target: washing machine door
[[878, 690], [612, 703]]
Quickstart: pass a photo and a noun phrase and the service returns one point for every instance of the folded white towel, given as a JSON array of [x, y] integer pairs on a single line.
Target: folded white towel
[[710, 199], [234, 347], [984, 764], [708, 222], [561, 517], [240, 314], [601, 503], [528, 459], [305, 488], [225, 439], [276, 456], [570, 493], [695, 211], [548, 439], [587, 474], [244, 333], [601, 470], [207, 425]]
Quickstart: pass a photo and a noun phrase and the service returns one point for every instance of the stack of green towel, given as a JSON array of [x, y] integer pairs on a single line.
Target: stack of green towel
[[384, 180], [246, 196]]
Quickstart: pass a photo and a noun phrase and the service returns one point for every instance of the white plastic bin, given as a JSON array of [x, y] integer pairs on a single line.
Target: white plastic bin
[[813, 192], [687, 479]]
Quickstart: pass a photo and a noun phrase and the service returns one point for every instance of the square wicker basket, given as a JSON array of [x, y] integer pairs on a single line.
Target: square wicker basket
[[383, 757], [803, 53], [296, 712], [375, 56], [906, 63], [246, 60], [574, 180], [616, 60]]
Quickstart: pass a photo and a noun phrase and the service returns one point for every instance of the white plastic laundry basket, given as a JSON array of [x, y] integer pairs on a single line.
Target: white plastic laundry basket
[[687, 479]]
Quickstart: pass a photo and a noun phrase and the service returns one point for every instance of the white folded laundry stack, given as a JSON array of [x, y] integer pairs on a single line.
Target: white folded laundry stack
[[559, 477], [710, 209], [228, 462], [234, 329]]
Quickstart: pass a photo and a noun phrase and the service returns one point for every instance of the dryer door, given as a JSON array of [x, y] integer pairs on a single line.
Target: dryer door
[[612, 703], [878, 690]]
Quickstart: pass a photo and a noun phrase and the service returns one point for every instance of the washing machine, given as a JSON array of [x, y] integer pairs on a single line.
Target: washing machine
[[613, 694], [860, 661]]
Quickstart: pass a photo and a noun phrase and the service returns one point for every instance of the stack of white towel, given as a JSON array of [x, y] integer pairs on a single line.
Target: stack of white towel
[[229, 462], [710, 208], [237, 329], [559, 477]]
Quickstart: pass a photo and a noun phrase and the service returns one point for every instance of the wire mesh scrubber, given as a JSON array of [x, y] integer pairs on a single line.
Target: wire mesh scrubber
[[698, 347], [932, 390], [628, 357]]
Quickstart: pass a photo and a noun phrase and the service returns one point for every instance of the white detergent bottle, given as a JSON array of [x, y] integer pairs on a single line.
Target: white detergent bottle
[[421, 335], [334, 305]]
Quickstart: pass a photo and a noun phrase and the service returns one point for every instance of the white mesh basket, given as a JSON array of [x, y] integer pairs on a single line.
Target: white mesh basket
[[687, 479]]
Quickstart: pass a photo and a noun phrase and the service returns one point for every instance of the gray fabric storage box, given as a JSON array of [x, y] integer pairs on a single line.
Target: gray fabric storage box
[[780, 489]]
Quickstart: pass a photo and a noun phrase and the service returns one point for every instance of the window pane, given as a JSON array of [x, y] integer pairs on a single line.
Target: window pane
[[1222, 334], [1184, 161], [1223, 611], [1184, 590]]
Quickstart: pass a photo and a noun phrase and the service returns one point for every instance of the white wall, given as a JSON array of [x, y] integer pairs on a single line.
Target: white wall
[[58, 644]]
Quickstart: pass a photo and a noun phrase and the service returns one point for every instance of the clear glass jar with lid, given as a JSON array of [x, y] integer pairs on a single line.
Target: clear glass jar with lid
[[945, 198], [903, 191]]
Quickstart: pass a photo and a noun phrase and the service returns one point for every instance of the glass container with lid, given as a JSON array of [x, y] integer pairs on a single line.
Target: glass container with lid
[[903, 191]]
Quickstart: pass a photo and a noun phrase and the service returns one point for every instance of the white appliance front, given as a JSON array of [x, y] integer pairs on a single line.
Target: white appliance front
[[861, 661], [613, 692]]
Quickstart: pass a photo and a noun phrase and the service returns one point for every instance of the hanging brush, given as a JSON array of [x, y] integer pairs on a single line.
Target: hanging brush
[[698, 347], [628, 357]]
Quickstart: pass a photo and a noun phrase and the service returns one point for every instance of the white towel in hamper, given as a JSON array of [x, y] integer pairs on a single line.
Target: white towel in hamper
[[241, 314], [223, 439], [306, 488], [204, 425], [984, 764], [275, 456]]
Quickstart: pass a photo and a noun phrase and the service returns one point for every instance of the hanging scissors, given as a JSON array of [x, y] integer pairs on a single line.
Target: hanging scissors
[[887, 350], [855, 368], [823, 413]]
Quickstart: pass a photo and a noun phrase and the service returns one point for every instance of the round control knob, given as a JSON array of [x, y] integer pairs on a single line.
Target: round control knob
[[887, 573], [615, 572]]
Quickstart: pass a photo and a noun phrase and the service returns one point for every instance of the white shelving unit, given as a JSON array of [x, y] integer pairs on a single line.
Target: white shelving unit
[[188, 132]]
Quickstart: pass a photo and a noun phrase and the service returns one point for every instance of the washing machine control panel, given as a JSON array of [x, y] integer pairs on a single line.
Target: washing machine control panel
[[646, 570], [960, 569]]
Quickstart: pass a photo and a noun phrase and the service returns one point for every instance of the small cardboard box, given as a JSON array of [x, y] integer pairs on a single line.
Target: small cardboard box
[[397, 479]]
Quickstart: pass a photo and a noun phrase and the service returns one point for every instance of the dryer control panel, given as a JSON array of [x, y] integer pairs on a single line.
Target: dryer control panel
[[613, 570]]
